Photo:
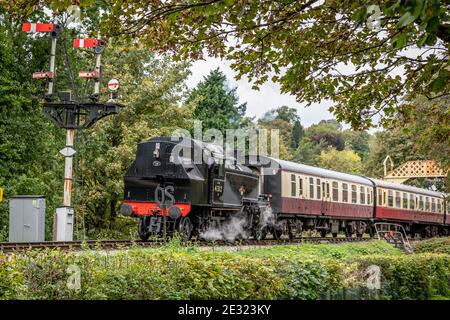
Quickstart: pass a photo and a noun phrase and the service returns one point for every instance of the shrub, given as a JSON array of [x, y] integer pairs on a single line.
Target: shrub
[[174, 272], [437, 245]]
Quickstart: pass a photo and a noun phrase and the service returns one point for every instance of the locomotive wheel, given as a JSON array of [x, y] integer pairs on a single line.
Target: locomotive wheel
[[260, 234], [144, 234], [334, 234], [185, 228], [323, 233], [277, 233]]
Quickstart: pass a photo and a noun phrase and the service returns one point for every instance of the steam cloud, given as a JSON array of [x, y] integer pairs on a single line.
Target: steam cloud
[[235, 227]]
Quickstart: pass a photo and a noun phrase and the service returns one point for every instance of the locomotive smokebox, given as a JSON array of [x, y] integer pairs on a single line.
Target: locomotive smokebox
[[174, 212], [126, 209]]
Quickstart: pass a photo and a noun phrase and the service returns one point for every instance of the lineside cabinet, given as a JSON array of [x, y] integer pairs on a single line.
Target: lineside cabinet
[[26, 219]]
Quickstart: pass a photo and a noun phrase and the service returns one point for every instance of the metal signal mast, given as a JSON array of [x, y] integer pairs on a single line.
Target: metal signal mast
[[72, 114]]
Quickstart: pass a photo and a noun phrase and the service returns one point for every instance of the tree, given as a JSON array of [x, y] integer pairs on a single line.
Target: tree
[[421, 132], [328, 132], [343, 161], [428, 123], [395, 143], [286, 120], [307, 152], [29, 142], [358, 141], [310, 40], [216, 104], [297, 134]]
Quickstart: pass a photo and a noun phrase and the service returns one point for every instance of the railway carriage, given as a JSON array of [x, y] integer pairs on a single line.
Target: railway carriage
[[308, 197], [419, 210]]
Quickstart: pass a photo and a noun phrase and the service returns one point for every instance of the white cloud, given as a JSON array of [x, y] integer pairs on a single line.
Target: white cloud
[[258, 102]]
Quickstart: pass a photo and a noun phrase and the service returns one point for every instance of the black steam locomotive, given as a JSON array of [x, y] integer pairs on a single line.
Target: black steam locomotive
[[188, 186]]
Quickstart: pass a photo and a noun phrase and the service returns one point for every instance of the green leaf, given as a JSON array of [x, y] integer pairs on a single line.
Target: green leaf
[[422, 40], [406, 19], [399, 41], [439, 83], [431, 39], [417, 8], [432, 24]]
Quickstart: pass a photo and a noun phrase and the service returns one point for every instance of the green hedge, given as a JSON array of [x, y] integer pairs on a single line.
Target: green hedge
[[177, 273], [437, 245]]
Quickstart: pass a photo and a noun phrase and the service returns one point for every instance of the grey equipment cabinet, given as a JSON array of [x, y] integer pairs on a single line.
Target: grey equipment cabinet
[[26, 219]]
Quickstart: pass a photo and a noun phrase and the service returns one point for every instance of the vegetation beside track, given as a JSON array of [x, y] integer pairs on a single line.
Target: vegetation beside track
[[436, 245], [175, 272]]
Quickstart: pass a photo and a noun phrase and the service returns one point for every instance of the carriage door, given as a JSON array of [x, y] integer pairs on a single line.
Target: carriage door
[[326, 197]]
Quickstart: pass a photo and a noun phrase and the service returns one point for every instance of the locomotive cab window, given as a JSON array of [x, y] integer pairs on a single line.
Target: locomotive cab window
[[293, 185], [344, 192]]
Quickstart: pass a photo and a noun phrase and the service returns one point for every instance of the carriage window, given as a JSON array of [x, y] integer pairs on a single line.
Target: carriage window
[[420, 203], [439, 206], [324, 190], [311, 188], [328, 190], [335, 186], [427, 204], [345, 192], [318, 188], [390, 198], [405, 201], [397, 199], [293, 185], [411, 202], [300, 186], [354, 194], [380, 197], [370, 197], [433, 205], [362, 195]]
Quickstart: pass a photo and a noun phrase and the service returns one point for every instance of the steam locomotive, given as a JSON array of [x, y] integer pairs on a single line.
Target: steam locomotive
[[188, 186]]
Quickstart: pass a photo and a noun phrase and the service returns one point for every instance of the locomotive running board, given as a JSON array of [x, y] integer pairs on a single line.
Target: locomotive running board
[[393, 233]]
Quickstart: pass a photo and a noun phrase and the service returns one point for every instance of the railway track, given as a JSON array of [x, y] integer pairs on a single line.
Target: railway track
[[121, 244]]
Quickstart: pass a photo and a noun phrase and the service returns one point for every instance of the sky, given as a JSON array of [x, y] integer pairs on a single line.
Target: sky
[[258, 102]]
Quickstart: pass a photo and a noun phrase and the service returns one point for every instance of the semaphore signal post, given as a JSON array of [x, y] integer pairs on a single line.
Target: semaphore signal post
[[72, 114]]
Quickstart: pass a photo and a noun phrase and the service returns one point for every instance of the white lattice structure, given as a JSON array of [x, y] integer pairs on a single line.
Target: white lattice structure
[[413, 169]]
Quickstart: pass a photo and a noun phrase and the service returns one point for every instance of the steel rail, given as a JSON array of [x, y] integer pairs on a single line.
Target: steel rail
[[120, 244]]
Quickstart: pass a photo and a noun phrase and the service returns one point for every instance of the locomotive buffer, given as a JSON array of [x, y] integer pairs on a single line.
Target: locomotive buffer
[[72, 114]]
